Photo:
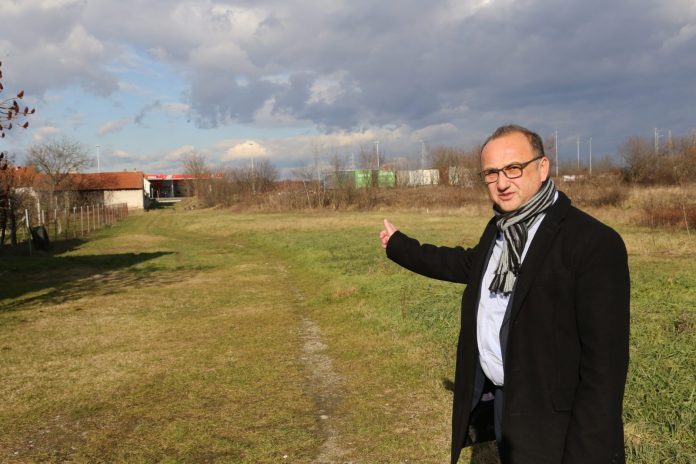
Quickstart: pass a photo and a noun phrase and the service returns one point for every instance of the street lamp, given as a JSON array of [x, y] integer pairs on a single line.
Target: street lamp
[[251, 153]]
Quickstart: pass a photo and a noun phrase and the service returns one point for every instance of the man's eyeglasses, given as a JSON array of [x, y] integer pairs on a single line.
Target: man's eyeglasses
[[511, 171]]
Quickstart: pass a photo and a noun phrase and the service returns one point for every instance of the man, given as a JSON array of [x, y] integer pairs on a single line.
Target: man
[[543, 345]]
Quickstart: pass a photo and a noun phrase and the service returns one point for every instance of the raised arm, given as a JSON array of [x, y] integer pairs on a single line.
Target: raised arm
[[452, 264]]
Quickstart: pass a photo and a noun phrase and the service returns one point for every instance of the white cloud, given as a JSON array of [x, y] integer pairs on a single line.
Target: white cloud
[[226, 56], [113, 126], [174, 107], [326, 89], [684, 36], [80, 44], [178, 153], [169, 107], [123, 155], [244, 150], [129, 87], [266, 116], [51, 4], [42, 133], [10, 7], [436, 132]]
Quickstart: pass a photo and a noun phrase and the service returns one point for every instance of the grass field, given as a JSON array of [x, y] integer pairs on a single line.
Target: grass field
[[208, 336]]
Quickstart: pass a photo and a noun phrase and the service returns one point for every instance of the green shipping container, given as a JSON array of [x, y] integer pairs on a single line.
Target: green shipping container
[[373, 178], [386, 179], [363, 178]]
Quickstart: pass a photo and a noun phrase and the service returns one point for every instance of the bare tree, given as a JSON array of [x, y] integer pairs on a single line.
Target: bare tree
[[367, 157], [456, 166], [58, 159], [342, 186], [639, 160], [197, 168], [683, 158], [317, 149], [251, 181], [265, 176], [306, 175], [15, 196]]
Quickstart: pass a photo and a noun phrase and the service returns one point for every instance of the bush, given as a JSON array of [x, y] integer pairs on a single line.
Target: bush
[[600, 191], [673, 211]]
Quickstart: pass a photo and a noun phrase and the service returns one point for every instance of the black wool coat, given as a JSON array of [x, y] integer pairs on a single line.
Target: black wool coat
[[564, 338]]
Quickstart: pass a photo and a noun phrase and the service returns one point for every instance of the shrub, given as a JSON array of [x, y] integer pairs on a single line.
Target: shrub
[[673, 211], [601, 191]]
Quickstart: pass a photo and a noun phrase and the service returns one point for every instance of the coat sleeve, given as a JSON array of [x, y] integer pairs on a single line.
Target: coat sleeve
[[595, 434], [453, 264]]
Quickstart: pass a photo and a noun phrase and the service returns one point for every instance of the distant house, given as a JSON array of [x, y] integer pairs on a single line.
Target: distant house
[[107, 188], [110, 188]]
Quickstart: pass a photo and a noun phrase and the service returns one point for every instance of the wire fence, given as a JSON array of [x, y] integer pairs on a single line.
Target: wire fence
[[68, 223]]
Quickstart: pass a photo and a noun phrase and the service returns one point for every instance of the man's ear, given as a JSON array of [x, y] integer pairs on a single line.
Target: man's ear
[[544, 166]]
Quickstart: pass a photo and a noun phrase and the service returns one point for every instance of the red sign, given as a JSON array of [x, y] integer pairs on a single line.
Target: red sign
[[180, 176]]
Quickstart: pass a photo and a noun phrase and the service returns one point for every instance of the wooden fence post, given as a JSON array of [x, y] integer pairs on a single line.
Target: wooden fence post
[[26, 219]]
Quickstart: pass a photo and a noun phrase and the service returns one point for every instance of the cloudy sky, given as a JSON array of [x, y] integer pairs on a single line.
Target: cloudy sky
[[149, 81]]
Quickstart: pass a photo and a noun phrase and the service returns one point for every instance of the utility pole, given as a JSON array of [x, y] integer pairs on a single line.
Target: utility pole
[[578, 143], [590, 155], [555, 144], [253, 172], [657, 140]]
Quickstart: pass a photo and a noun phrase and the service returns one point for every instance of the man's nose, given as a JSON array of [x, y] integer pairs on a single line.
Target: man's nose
[[503, 182]]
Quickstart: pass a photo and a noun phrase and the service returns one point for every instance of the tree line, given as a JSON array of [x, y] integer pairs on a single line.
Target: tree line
[[317, 184], [645, 163]]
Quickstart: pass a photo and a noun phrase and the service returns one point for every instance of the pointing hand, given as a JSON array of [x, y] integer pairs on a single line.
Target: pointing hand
[[386, 234]]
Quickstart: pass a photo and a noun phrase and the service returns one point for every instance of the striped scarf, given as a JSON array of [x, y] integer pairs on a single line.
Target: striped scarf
[[514, 226]]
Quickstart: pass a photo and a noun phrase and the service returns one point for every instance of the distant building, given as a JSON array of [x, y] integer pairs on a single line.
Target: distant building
[[418, 177], [173, 185], [572, 177], [458, 175], [110, 188], [361, 178]]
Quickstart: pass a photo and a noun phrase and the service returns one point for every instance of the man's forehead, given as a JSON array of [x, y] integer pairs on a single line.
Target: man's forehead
[[510, 148]]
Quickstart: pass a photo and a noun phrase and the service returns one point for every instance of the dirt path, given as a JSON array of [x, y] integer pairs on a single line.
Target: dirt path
[[323, 384]]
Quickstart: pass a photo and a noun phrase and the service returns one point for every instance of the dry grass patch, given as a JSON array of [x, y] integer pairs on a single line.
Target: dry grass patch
[[154, 363]]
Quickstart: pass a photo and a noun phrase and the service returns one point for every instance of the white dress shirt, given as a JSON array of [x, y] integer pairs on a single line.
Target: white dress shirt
[[491, 311]]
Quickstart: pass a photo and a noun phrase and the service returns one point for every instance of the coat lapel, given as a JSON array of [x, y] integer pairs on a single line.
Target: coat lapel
[[538, 250], [487, 241]]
